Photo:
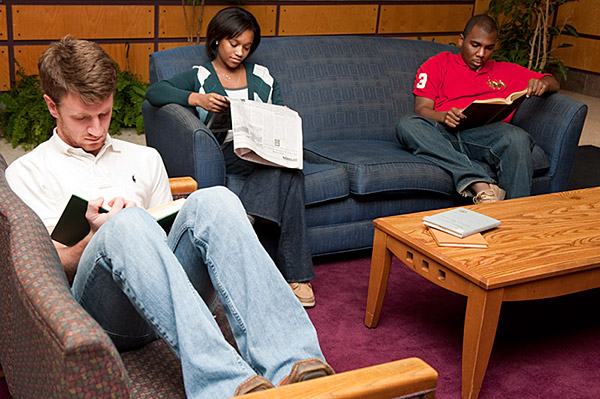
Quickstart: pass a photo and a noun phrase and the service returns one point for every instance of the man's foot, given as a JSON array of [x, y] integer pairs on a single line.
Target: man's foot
[[304, 293], [253, 384], [305, 370], [493, 194]]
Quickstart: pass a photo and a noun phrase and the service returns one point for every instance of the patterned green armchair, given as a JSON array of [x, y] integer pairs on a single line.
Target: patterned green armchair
[[51, 348]]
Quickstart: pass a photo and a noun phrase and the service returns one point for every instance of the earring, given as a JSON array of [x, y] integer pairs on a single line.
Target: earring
[[217, 43]]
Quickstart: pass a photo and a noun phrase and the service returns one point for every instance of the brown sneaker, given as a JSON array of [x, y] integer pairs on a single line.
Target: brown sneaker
[[493, 194], [304, 293], [253, 384], [305, 370]]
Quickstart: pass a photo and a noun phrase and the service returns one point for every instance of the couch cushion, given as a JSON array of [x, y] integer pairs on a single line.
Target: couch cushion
[[380, 166], [323, 182]]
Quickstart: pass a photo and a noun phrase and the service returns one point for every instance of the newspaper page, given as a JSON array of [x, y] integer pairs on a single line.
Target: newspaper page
[[266, 133]]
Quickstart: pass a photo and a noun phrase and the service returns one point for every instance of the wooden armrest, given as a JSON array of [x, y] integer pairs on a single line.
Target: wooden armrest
[[183, 185], [404, 378]]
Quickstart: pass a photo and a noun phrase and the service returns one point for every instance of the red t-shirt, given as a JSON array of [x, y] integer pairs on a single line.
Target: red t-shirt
[[447, 79]]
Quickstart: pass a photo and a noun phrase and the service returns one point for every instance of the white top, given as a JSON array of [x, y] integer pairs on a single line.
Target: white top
[[46, 177]]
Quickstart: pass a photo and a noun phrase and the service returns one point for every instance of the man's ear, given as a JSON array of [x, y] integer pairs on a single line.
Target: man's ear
[[52, 107], [461, 40]]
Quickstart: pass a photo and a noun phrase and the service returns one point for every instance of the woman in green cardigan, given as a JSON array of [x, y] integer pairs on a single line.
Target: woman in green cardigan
[[273, 197]]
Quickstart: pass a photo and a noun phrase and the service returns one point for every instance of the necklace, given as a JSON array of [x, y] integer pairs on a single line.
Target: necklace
[[228, 77]]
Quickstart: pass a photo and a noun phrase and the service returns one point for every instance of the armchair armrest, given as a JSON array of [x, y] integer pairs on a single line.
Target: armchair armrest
[[187, 146], [406, 378], [182, 186], [555, 122]]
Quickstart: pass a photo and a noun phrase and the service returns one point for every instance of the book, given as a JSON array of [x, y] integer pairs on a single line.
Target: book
[[448, 240], [460, 222], [266, 133], [72, 226], [491, 110]]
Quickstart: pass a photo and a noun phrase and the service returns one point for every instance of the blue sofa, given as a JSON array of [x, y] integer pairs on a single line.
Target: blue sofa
[[350, 91]]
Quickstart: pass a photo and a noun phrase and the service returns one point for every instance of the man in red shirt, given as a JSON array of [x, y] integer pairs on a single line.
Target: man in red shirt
[[445, 84]]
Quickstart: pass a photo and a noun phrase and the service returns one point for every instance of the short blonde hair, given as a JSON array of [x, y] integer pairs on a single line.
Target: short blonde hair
[[79, 67]]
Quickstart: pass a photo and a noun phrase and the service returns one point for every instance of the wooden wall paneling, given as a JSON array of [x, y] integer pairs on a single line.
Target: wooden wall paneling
[[3, 31], [168, 46], [584, 54], [4, 69], [481, 6], [411, 18], [28, 56], [45, 22], [582, 14], [328, 19], [171, 19], [137, 62]]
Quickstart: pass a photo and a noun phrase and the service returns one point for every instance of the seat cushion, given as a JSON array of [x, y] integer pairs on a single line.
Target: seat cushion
[[323, 182], [382, 166], [379, 166]]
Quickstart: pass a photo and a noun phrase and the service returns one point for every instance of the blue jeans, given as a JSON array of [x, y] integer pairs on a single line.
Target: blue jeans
[[505, 147], [277, 195], [137, 282]]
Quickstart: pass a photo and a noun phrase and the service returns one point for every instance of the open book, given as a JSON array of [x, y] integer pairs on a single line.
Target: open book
[[72, 226], [266, 133], [491, 110]]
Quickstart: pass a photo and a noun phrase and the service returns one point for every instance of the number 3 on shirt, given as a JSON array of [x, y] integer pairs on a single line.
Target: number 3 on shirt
[[422, 81]]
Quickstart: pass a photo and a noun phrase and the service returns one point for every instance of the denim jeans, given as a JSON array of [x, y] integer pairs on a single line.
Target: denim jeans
[[276, 195], [138, 282], [505, 147]]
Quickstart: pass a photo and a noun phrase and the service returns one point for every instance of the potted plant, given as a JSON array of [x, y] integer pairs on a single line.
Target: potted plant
[[527, 33]]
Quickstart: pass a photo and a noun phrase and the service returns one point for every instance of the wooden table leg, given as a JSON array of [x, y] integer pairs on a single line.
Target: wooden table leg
[[481, 322], [378, 278]]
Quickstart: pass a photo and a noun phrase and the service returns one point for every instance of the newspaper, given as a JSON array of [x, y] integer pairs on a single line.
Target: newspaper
[[266, 133]]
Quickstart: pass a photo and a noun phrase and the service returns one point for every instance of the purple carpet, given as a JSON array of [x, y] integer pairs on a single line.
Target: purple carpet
[[543, 349]]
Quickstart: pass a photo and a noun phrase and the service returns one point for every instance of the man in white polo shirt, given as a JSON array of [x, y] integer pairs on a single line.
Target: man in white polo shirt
[[136, 281]]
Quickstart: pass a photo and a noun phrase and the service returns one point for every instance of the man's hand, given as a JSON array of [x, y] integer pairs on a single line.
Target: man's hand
[[537, 87], [424, 107], [212, 102], [96, 218], [453, 117]]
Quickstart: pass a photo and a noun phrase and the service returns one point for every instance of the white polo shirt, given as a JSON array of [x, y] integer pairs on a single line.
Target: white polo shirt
[[46, 177]]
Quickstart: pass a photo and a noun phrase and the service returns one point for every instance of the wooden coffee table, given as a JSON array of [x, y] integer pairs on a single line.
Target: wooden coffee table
[[546, 246]]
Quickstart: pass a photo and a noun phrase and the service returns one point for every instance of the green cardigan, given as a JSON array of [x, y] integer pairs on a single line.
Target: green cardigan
[[262, 87]]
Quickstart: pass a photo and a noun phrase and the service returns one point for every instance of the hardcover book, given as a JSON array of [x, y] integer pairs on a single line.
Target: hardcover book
[[72, 226], [460, 222], [484, 112], [448, 240]]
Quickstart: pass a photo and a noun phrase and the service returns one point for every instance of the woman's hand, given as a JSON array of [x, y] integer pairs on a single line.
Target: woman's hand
[[212, 102]]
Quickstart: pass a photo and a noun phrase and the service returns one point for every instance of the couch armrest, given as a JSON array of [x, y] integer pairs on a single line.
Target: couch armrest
[[187, 146], [555, 122], [406, 378]]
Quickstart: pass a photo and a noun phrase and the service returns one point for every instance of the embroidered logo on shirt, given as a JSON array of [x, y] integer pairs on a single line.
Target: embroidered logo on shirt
[[496, 84]]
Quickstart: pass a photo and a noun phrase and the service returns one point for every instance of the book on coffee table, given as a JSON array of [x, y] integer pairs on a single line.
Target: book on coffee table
[[448, 240], [461, 222]]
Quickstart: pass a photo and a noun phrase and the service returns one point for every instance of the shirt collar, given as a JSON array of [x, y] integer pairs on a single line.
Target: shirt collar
[[61, 146], [487, 67]]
